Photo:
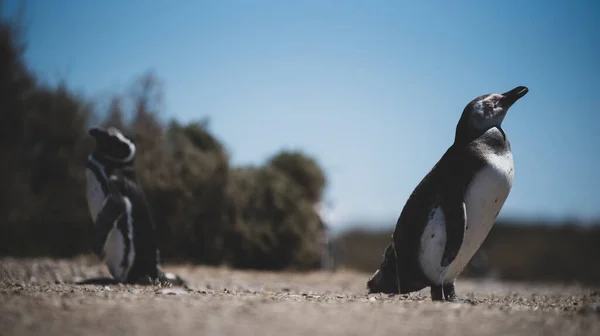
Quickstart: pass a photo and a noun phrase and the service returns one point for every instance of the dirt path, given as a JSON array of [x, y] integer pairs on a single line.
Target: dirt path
[[37, 297]]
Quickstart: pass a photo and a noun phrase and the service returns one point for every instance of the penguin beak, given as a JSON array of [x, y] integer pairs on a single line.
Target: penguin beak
[[510, 97]]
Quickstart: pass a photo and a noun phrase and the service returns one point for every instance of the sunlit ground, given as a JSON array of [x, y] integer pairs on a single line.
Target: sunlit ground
[[38, 297]]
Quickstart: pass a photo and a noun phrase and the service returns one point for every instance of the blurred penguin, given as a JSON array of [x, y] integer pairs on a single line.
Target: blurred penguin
[[123, 235]]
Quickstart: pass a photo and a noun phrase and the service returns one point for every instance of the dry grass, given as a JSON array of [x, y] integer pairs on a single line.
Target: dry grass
[[38, 297]]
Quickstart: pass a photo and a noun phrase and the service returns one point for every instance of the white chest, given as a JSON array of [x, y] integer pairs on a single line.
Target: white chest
[[95, 194], [483, 200], [114, 249]]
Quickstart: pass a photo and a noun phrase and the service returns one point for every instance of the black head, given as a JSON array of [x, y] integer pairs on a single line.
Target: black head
[[487, 111], [113, 145]]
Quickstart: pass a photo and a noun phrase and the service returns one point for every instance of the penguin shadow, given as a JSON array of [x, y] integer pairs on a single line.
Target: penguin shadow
[[99, 281], [166, 279]]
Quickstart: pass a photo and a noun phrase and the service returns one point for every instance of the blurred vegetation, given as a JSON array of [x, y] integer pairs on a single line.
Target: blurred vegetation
[[205, 210], [514, 250]]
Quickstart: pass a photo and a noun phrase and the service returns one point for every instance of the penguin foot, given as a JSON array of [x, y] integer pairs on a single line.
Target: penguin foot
[[449, 292], [164, 279], [171, 279], [437, 293], [450, 295]]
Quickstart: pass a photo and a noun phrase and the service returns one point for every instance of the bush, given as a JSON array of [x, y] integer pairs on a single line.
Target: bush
[[43, 145], [304, 171], [271, 223], [205, 211]]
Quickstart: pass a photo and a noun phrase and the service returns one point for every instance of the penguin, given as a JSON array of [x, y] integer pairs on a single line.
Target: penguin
[[451, 211], [123, 234]]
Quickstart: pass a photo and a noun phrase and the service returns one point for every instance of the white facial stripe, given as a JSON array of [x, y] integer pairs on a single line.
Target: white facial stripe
[[124, 140], [129, 144]]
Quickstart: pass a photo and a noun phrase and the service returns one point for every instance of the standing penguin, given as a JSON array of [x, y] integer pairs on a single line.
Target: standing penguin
[[451, 211], [123, 235]]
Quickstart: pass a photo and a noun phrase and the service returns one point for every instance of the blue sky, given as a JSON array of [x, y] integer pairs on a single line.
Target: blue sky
[[371, 89]]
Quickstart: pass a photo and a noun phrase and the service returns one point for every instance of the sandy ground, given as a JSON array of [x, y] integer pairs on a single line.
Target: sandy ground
[[39, 297]]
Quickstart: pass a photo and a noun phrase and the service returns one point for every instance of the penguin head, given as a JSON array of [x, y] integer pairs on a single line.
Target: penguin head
[[113, 145], [489, 110]]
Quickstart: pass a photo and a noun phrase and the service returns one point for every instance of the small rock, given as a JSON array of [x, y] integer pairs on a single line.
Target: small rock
[[106, 288], [372, 299]]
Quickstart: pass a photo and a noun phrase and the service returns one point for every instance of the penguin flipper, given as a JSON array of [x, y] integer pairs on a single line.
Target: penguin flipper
[[112, 209], [148, 258], [455, 214]]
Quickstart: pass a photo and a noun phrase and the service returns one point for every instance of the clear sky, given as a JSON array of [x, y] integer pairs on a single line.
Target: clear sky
[[371, 89]]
